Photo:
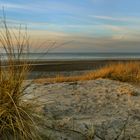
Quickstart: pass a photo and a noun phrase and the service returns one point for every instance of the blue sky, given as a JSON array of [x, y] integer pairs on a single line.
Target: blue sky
[[91, 25]]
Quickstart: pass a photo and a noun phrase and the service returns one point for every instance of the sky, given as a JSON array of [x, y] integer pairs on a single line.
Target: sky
[[79, 25]]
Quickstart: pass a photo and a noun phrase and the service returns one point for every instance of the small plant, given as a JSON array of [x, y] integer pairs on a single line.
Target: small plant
[[17, 119], [90, 132]]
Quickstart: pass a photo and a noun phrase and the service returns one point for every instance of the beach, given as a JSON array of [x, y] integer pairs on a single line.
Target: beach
[[69, 67], [100, 109], [70, 70]]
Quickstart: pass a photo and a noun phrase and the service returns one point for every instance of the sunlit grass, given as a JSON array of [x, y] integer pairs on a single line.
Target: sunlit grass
[[17, 120], [125, 72]]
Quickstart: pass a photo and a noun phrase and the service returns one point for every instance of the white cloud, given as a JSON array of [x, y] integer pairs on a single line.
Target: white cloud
[[109, 18], [121, 19], [13, 6], [21, 7]]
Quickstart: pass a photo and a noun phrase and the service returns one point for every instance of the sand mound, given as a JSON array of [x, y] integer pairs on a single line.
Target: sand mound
[[99, 109]]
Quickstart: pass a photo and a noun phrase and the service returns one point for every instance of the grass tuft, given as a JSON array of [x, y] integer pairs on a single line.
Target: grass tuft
[[17, 120]]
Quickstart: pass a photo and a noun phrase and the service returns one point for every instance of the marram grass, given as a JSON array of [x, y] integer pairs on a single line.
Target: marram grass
[[17, 119]]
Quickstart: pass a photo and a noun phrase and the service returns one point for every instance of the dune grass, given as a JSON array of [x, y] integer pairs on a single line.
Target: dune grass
[[125, 72], [17, 120]]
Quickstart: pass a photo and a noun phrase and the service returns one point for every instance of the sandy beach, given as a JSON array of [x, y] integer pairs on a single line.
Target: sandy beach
[[99, 109], [70, 70]]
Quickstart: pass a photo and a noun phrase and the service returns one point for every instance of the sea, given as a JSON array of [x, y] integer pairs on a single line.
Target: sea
[[79, 56]]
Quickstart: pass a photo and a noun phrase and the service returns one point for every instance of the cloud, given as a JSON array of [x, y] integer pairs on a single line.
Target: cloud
[[79, 43], [39, 6], [21, 7], [13, 6], [109, 18], [119, 19]]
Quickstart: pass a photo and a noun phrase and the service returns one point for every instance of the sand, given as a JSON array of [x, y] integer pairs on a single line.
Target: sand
[[99, 109]]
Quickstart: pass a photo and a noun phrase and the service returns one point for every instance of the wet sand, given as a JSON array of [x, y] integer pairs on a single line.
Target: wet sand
[[75, 65], [67, 68]]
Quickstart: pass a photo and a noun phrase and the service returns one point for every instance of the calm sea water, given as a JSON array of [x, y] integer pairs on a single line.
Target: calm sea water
[[80, 56]]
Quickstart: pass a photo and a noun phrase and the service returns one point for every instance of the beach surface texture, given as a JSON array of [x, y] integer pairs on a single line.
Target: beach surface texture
[[100, 109]]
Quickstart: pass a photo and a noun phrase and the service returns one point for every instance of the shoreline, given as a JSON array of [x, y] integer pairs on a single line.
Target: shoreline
[[47, 68], [68, 68], [74, 65]]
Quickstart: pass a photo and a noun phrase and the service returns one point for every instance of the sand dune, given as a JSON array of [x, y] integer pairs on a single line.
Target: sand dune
[[99, 109]]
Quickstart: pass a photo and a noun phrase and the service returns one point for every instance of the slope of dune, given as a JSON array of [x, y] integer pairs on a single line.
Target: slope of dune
[[99, 109]]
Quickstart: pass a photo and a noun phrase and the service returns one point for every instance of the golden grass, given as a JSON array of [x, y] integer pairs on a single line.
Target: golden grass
[[17, 120], [125, 72]]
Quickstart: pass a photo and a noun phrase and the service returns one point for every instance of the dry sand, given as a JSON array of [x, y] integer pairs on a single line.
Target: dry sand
[[99, 109]]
